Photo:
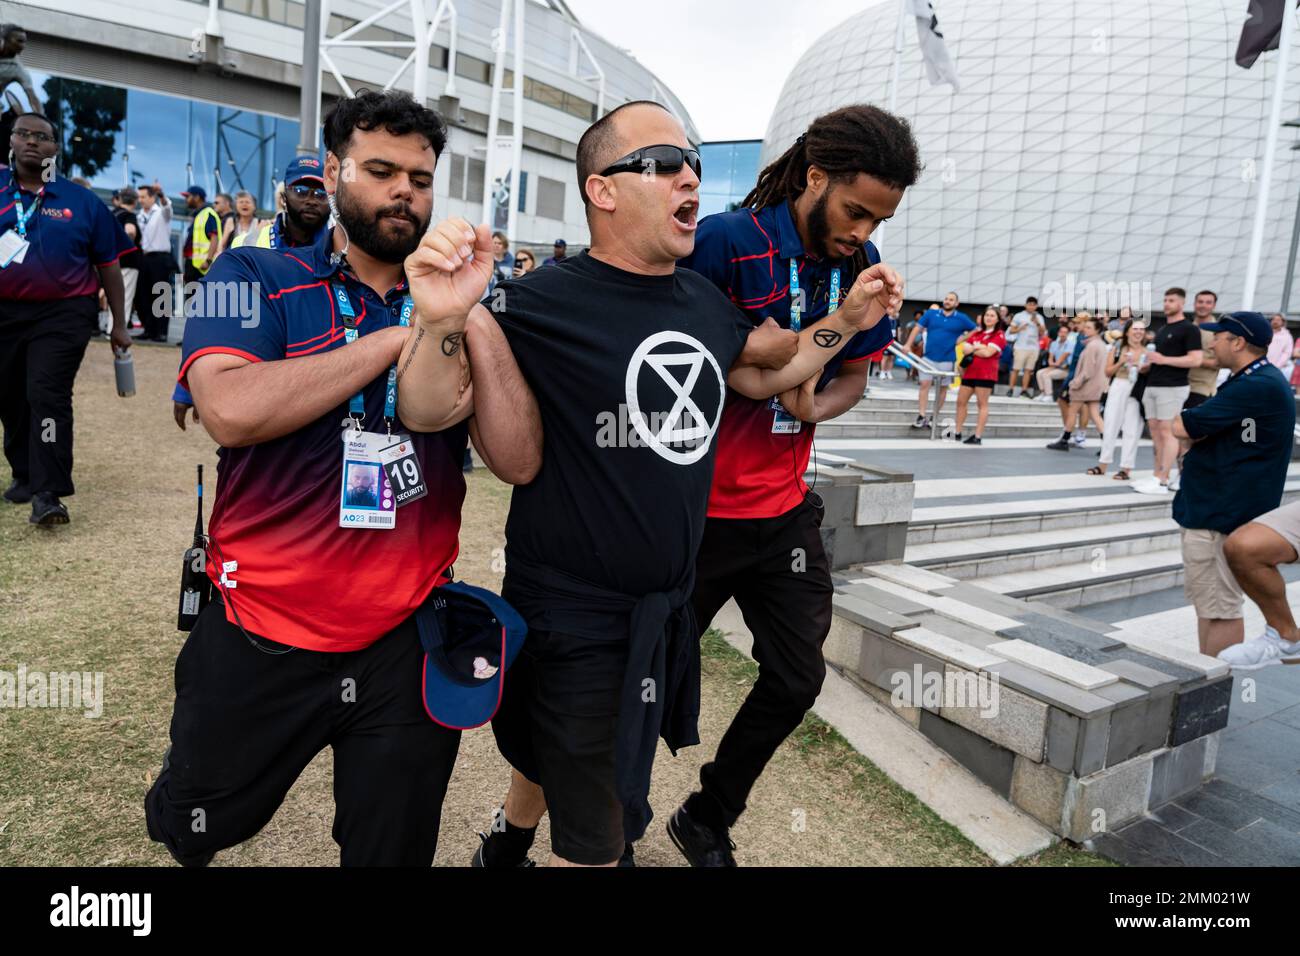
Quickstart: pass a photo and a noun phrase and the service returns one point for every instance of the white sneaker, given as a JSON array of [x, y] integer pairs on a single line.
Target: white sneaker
[[1174, 478], [1079, 439], [1268, 648], [1149, 486]]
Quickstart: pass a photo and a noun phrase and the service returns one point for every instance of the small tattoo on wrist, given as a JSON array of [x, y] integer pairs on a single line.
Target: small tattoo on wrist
[[451, 344], [827, 338]]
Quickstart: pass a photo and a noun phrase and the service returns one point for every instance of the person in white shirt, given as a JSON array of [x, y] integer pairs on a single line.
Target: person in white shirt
[[158, 265], [1027, 328]]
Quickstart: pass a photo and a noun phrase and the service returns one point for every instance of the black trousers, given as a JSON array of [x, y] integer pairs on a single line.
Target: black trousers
[[155, 310], [247, 722], [777, 570], [41, 348]]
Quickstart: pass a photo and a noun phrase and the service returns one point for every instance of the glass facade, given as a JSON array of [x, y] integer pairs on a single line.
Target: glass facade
[[730, 171], [116, 137]]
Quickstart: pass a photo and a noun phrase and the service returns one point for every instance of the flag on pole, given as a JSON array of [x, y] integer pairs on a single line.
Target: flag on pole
[[938, 64], [1260, 32]]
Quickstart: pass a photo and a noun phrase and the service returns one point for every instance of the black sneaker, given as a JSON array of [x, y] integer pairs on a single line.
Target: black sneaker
[[973, 440], [920, 422], [18, 493], [479, 860], [1061, 444], [700, 844], [628, 858], [47, 510]]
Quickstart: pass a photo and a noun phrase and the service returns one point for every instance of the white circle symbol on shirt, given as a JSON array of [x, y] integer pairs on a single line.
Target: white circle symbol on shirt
[[685, 421]]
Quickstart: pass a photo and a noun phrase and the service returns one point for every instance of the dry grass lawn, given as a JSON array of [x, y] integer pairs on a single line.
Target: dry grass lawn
[[100, 595]]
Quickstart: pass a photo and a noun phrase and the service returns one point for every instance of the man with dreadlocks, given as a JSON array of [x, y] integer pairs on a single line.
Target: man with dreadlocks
[[801, 238]]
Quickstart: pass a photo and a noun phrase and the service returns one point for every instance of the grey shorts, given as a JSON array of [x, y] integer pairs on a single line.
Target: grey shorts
[[943, 366], [1164, 402]]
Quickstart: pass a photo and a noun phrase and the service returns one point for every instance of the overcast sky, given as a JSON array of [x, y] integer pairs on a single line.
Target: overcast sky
[[725, 59]]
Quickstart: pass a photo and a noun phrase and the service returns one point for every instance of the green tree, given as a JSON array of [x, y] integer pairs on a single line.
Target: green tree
[[90, 117]]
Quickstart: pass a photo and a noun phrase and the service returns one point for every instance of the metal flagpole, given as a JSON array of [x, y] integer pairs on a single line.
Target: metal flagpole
[[309, 100], [898, 55], [879, 235], [1270, 146]]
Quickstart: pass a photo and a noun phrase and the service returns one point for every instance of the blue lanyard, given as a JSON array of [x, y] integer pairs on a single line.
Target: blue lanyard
[[1249, 369], [22, 214], [795, 324], [357, 403]]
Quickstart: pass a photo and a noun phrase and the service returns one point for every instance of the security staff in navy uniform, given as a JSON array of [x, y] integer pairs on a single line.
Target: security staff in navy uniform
[[58, 245]]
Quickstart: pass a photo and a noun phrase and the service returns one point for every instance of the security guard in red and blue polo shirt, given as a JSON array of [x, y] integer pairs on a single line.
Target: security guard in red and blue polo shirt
[[800, 238], [321, 369], [58, 245]]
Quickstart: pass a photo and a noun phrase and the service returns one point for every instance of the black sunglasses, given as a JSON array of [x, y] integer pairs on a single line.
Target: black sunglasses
[[304, 191], [656, 159]]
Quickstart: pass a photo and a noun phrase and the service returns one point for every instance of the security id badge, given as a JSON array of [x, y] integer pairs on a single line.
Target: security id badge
[[402, 469], [783, 423], [366, 499], [13, 249]]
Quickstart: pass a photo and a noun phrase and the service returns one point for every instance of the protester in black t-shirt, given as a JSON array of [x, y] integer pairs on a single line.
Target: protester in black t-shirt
[[629, 359]]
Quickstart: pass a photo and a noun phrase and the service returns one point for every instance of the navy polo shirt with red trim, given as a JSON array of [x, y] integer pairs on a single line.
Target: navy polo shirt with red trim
[[300, 578], [71, 234], [747, 255]]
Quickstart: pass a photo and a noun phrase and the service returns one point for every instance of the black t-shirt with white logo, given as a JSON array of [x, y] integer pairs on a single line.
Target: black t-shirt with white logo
[[1174, 339], [629, 372]]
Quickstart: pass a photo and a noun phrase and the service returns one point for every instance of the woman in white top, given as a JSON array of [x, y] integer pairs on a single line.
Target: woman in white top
[[1123, 401], [244, 220]]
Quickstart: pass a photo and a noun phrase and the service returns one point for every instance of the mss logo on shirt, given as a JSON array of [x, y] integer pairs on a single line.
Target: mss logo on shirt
[[676, 371]]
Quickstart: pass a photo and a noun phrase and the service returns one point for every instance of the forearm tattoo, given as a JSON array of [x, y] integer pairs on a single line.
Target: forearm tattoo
[[827, 338], [451, 344], [419, 334]]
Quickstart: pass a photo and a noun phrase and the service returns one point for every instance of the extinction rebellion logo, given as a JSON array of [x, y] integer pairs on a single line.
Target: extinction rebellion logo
[[682, 432]]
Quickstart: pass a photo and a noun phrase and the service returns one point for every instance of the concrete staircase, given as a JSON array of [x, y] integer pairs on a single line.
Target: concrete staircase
[[889, 409], [1065, 550]]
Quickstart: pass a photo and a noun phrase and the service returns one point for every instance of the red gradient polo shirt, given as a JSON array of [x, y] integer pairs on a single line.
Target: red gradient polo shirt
[[300, 578], [746, 254]]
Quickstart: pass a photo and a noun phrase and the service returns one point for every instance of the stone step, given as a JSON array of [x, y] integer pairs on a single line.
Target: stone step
[[955, 522], [1028, 410], [1010, 554], [1045, 431], [1082, 583]]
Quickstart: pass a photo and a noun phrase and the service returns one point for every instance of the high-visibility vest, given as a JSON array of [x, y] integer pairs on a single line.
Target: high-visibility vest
[[262, 241], [199, 236]]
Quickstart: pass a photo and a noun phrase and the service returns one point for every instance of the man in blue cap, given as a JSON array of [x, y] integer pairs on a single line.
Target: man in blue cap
[[300, 223], [561, 247], [204, 236], [1243, 437], [305, 213]]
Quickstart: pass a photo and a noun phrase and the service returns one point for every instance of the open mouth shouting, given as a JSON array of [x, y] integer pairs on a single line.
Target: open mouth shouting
[[684, 216]]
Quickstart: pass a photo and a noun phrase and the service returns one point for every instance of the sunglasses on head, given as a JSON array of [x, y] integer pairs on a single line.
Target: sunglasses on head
[[303, 192], [656, 159]]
